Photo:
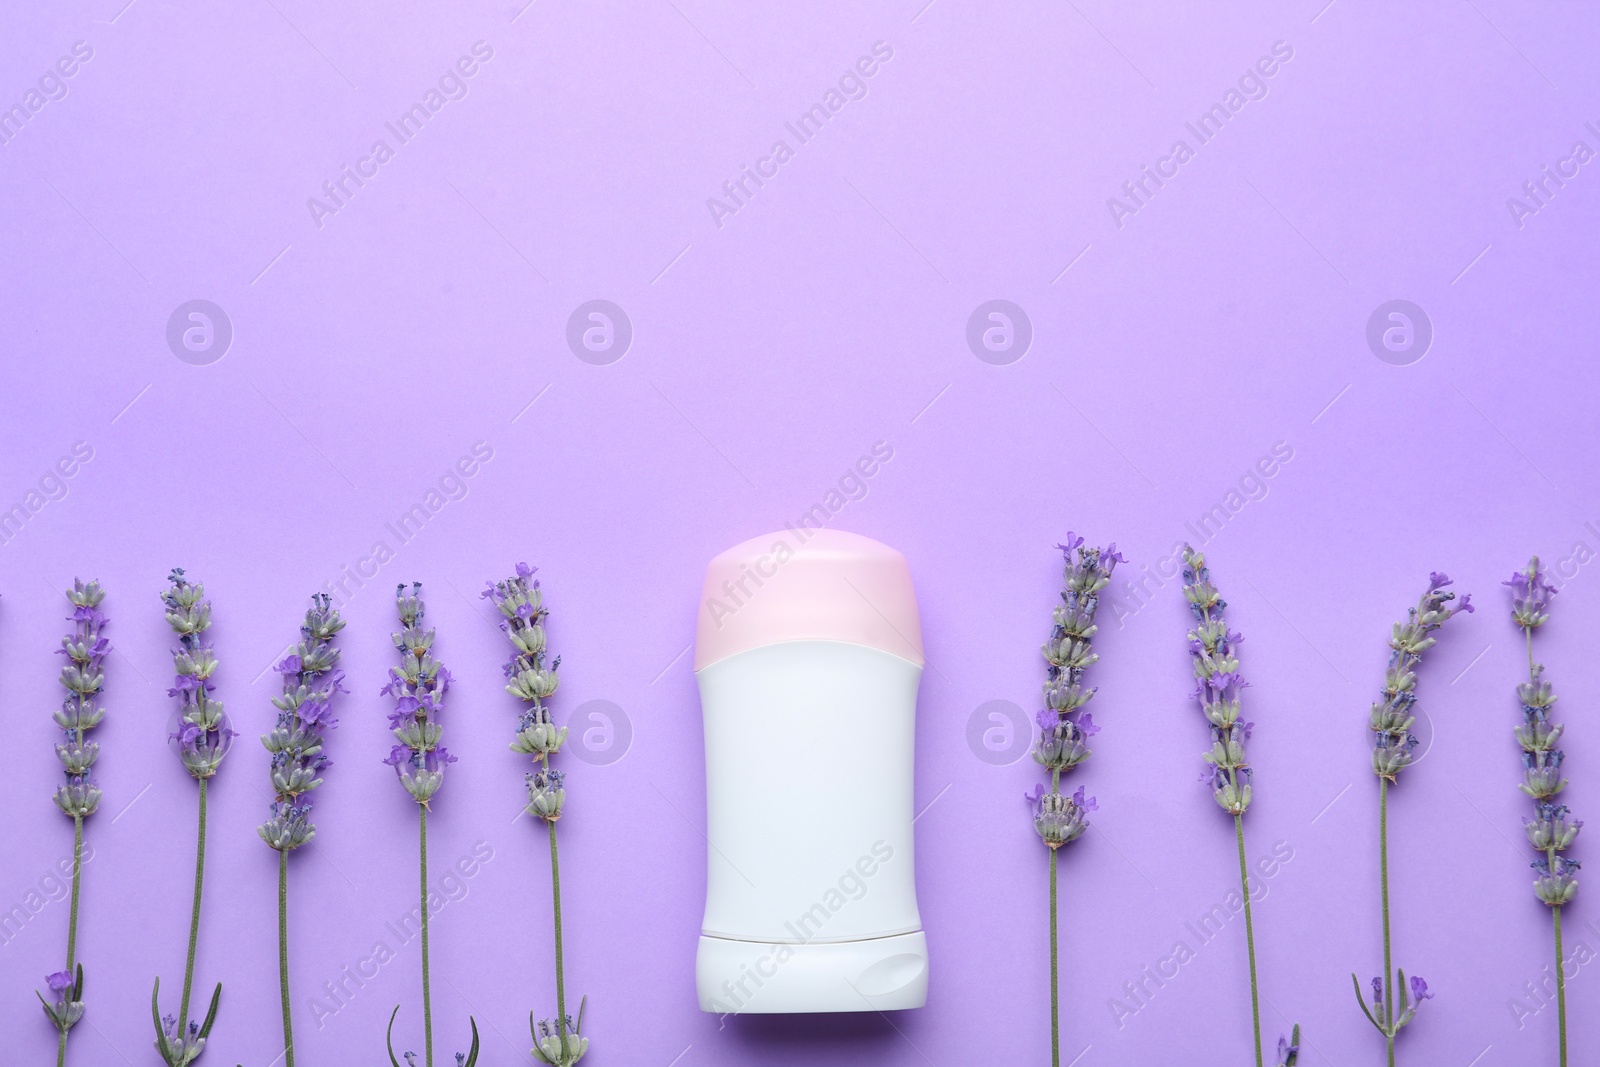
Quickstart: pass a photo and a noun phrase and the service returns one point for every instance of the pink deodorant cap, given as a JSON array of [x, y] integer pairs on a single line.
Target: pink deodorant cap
[[807, 585]]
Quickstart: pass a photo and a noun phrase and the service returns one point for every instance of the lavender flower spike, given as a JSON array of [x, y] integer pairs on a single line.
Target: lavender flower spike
[[305, 715], [1392, 718], [83, 677], [204, 733], [521, 604], [1214, 651], [1551, 831], [202, 739], [311, 679], [1065, 727], [1390, 721], [418, 687]]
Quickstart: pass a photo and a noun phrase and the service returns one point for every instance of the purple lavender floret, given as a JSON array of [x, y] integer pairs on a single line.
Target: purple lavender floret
[[1393, 715], [1060, 819], [1215, 651], [311, 679], [418, 686], [204, 733]]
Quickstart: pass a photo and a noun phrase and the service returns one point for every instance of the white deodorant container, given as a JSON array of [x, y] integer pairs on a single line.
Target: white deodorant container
[[808, 653]]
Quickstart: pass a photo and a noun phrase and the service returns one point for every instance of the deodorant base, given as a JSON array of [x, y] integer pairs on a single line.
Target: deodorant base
[[760, 978]]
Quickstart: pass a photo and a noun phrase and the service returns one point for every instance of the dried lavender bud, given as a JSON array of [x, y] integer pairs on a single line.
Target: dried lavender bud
[[559, 1046], [1062, 741], [305, 715], [1557, 883], [1060, 819], [546, 794]]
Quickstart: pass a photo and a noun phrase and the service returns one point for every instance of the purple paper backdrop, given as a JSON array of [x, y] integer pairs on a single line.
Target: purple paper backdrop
[[1173, 340]]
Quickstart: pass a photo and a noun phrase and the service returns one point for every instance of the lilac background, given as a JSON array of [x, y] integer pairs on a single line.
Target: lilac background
[[830, 313]]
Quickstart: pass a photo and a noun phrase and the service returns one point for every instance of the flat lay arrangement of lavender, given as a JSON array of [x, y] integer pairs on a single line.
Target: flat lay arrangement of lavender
[[296, 745]]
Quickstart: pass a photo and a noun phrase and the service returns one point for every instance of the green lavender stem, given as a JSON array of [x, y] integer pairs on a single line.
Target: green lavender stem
[[194, 915], [1561, 987], [1055, 993], [1249, 936], [1383, 875], [1550, 860], [555, 896], [72, 917], [1055, 970], [427, 994], [283, 955]]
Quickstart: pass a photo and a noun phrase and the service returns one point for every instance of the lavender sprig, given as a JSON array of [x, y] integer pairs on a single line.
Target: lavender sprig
[[202, 739], [521, 603], [1391, 719], [305, 715], [83, 677], [1065, 728], [1214, 650], [1551, 832], [418, 686]]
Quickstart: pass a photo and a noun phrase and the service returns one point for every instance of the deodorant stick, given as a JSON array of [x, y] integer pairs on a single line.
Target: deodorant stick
[[808, 653]]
